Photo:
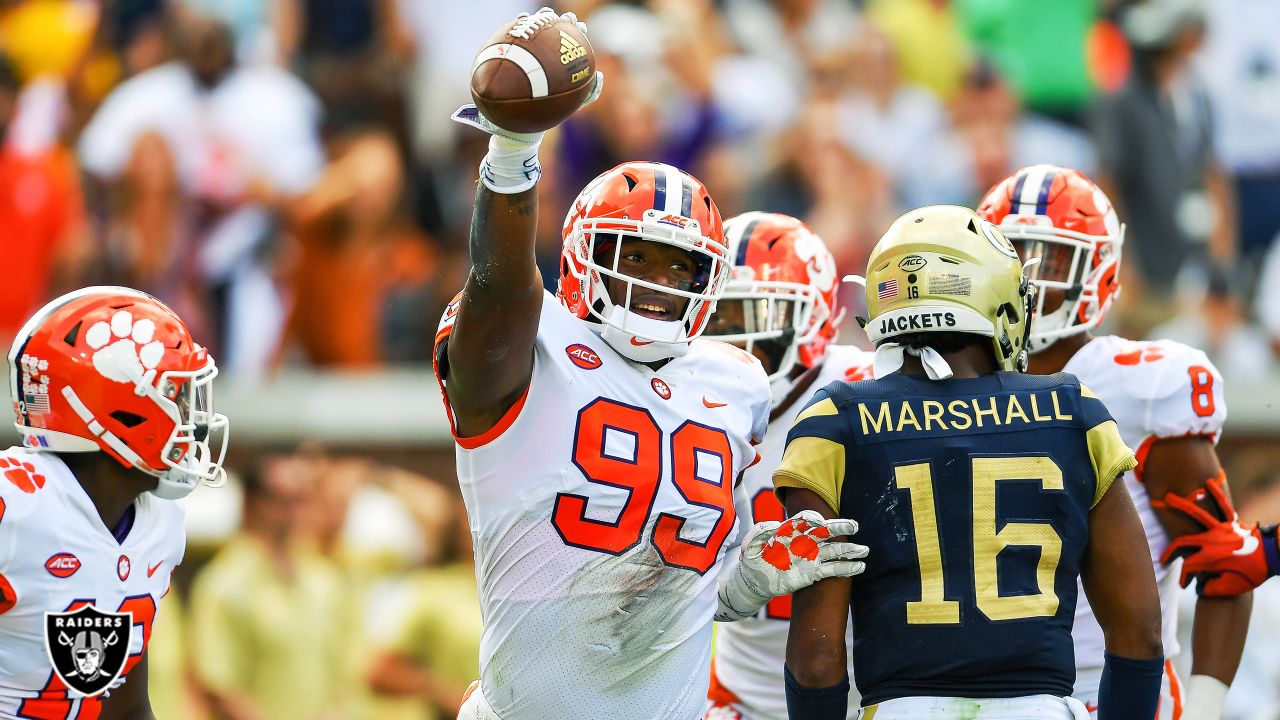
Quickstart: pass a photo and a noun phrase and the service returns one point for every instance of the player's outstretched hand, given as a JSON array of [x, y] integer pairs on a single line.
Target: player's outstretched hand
[[780, 558], [1227, 558]]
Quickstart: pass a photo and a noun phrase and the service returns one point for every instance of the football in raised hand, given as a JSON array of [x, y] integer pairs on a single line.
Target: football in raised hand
[[533, 73]]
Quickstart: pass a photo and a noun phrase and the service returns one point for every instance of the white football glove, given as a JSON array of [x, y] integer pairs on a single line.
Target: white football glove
[[780, 558]]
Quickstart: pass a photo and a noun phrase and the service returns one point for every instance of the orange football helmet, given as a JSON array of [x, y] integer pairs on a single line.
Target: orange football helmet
[[784, 284], [114, 369], [643, 201], [1058, 215]]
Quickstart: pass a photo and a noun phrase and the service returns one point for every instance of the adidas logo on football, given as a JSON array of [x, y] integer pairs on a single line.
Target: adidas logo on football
[[570, 49]]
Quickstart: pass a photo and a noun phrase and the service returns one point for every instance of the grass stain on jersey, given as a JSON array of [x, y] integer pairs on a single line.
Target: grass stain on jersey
[[888, 504], [643, 595]]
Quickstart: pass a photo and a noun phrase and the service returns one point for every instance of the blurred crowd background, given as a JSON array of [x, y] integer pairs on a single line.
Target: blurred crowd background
[[285, 175]]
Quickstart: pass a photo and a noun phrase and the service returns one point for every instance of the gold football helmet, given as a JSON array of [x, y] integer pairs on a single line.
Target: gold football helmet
[[943, 268]]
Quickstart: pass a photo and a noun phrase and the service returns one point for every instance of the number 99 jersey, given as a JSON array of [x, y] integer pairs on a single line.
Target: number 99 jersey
[[1154, 390], [601, 507], [974, 497]]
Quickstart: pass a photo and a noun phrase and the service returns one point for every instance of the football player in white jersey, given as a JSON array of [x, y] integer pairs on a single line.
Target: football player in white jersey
[[780, 306], [114, 406], [600, 445], [1166, 397]]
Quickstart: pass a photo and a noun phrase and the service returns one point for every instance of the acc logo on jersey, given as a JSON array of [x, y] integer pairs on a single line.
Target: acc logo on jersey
[[62, 565], [583, 356], [87, 647]]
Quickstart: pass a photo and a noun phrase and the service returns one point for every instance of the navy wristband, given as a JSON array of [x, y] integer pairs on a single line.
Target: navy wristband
[[1270, 550], [1130, 689], [805, 703]]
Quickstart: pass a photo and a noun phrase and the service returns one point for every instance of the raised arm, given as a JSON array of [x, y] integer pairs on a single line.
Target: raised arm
[[490, 351], [486, 361]]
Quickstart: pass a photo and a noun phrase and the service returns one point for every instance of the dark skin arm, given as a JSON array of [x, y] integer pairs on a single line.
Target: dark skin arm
[[131, 700], [1119, 579], [1180, 466], [490, 353], [816, 653]]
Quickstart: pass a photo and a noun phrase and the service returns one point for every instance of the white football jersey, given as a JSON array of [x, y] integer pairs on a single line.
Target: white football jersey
[[601, 508], [750, 653], [55, 555], [1154, 390]]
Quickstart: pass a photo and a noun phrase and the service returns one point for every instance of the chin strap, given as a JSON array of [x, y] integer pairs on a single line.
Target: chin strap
[[890, 356], [627, 344]]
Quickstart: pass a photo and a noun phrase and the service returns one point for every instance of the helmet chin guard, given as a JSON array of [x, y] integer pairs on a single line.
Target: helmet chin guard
[[625, 331]]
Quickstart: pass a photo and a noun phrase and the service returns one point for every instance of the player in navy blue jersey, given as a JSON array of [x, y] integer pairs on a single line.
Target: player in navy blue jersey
[[982, 493]]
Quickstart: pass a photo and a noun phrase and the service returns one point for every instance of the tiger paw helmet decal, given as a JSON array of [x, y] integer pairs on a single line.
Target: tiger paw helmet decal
[[126, 351]]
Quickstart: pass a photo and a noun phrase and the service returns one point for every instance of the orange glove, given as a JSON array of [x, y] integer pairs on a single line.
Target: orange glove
[[1227, 558]]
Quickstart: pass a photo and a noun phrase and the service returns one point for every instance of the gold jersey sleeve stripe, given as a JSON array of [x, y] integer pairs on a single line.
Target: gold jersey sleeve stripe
[[813, 463], [1110, 456], [818, 409]]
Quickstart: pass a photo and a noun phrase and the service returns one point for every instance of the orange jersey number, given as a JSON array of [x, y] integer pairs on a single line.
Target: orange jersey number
[[1201, 390], [640, 475], [53, 702]]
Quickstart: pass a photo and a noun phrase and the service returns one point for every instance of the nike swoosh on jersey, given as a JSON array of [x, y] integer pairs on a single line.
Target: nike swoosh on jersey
[[711, 404], [151, 569]]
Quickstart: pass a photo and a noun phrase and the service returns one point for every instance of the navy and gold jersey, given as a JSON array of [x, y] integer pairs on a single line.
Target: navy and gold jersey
[[974, 497]]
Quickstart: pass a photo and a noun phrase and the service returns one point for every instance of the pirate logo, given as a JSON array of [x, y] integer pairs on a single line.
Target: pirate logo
[[88, 647]]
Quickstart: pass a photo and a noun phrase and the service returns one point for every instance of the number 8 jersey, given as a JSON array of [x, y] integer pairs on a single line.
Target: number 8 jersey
[[1154, 390], [601, 507]]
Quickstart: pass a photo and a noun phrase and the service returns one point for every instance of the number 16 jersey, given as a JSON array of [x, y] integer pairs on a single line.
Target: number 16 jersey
[[974, 497], [601, 508]]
